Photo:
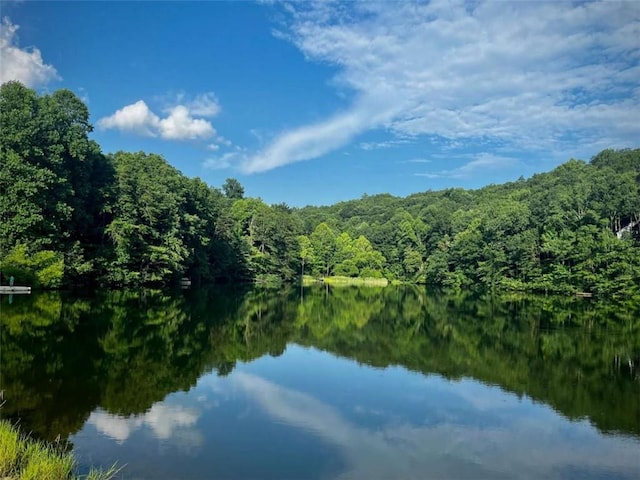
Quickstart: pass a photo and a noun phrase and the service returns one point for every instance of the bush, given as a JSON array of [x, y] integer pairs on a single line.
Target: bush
[[370, 273], [347, 268], [41, 269]]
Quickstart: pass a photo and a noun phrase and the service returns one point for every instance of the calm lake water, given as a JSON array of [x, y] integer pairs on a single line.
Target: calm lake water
[[343, 383]]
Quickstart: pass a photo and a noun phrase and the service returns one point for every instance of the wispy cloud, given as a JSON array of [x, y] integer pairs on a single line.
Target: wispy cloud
[[312, 141], [367, 146], [446, 449], [220, 162], [533, 75], [84, 95], [179, 122], [22, 64], [482, 163], [417, 160], [204, 105]]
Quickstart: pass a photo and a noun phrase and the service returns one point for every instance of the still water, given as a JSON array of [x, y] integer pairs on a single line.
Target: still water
[[344, 383]]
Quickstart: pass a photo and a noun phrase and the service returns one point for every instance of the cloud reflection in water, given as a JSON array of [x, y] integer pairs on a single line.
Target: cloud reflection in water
[[526, 447], [164, 421]]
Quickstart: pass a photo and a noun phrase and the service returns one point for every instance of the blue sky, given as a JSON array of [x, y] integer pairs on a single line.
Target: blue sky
[[314, 103]]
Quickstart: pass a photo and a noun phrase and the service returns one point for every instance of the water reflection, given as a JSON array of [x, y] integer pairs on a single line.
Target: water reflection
[[217, 376], [432, 428], [163, 420], [507, 438]]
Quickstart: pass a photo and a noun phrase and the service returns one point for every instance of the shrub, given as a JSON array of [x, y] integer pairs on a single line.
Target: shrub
[[44, 268]]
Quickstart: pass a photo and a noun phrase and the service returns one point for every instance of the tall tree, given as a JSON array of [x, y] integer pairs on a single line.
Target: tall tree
[[307, 254], [48, 175], [233, 189], [146, 228], [323, 240]]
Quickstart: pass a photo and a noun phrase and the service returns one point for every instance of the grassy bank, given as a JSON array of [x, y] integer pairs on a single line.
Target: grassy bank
[[23, 458], [346, 281]]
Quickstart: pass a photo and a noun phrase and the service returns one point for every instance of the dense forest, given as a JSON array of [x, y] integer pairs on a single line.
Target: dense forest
[[71, 214]]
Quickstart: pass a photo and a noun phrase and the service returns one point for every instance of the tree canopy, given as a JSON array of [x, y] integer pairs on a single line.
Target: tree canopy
[[72, 214]]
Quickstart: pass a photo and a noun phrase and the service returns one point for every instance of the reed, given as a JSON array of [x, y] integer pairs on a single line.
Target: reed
[[23, 458]]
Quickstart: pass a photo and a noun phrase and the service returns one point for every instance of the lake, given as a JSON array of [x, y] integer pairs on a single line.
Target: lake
[[327, 383]]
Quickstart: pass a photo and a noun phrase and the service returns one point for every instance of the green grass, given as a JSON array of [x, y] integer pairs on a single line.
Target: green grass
[[345, 281], [23, 458]]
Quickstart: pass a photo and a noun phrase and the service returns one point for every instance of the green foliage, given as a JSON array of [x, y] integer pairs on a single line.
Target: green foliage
[[342, 255], [49, 268], [575, 229], [233, 189], [40, 269], [323, 240], [307, 254], [23, 458], [52, 177], [145, 229], [270, 237], [132, 219]]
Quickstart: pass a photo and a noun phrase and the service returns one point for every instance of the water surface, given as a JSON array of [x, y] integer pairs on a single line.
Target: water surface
[[328, 383]]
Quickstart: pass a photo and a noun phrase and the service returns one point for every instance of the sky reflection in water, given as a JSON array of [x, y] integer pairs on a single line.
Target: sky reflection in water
[[309, 414]]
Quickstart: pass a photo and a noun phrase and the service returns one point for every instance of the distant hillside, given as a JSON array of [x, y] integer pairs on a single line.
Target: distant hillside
[[73, 215], [553, 232]]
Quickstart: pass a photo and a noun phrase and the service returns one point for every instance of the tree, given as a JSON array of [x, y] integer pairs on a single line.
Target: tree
[[307, 254], [233, 189], [323, 240], [50, 176], [270, 235], [131, 218], [149, 243]]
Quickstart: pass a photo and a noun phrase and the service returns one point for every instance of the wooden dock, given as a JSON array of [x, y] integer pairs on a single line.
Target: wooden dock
[[14, 289]]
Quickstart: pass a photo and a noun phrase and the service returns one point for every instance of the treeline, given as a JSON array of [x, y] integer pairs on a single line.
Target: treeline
[[73, 215], [574, 229]]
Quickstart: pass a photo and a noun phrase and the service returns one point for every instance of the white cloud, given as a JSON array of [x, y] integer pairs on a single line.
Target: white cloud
[[135, 118], [367, 146], [417, 160], [83, 95], [314, 140], [221, 162], [163, 421], [447, 449], [482, 163], [533, 75], [113, 426], [178, 124], [307, 142], [224, 141], [24, 65], [205, 105]]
